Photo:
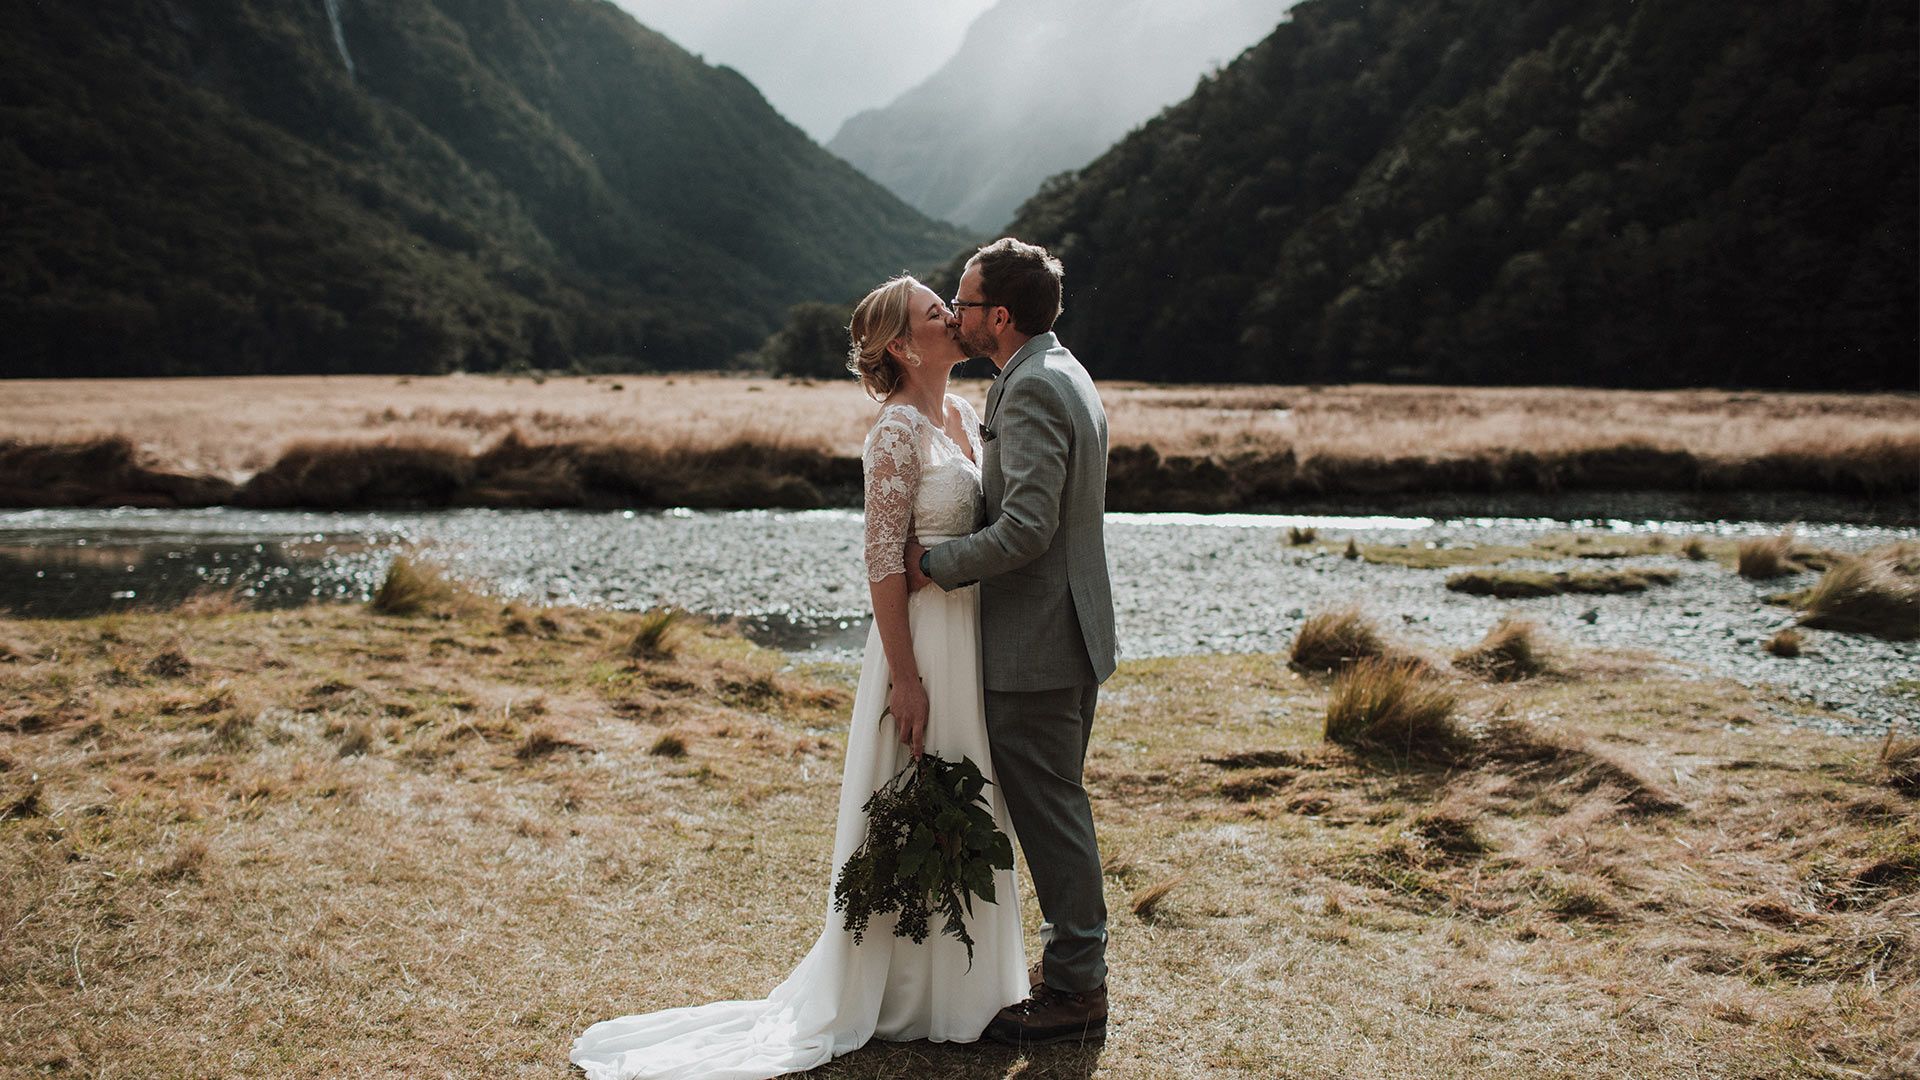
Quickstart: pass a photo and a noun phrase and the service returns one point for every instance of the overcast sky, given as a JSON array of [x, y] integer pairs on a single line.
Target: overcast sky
[[818, 61]]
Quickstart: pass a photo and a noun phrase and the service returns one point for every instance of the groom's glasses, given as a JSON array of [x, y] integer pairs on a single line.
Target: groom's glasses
[[958, 305]]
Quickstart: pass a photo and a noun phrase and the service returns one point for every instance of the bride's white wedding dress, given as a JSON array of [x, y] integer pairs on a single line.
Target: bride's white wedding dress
[[918, 482]]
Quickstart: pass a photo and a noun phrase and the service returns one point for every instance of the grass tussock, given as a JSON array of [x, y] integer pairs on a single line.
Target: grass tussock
[[1331, 640], [668, 746], [656, 634], [1786, 643], [1765, 557], [1510, 652], [168, 664], [1527, 584], [1393, 705], [1298, 537], [413, 588], [1877, 592], [1695, 549], [546, 740], [1899, 763], [1146, 902]]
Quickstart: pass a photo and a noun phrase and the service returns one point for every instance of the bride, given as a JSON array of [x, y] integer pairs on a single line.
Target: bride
[[922, 665]]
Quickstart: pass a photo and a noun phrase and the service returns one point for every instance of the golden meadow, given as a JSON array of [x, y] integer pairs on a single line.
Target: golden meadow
[[720, 441], [437, 835]]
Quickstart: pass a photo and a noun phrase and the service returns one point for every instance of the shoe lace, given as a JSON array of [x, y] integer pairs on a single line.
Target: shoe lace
[[1041, 997]]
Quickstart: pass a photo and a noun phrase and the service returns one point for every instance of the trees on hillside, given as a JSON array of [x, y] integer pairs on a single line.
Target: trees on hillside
[[1603, 193]]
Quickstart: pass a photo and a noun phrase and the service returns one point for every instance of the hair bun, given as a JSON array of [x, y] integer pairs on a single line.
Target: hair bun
[[880, 318]]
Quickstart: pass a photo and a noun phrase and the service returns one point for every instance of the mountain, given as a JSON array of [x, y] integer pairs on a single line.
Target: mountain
[[818, 61], [257, 186], [1596, 192], [1041, 86]]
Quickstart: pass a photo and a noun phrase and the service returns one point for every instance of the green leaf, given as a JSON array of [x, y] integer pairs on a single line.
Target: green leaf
[[921, 841]]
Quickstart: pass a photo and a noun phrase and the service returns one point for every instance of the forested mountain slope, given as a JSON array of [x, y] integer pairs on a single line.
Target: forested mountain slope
[[1598, 192], [240, 186]]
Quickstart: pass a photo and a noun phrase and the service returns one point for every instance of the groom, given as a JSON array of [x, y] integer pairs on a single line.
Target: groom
[[1046, 617]]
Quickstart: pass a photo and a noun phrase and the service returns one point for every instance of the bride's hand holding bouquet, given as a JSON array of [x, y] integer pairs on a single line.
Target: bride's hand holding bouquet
[[907, 702]]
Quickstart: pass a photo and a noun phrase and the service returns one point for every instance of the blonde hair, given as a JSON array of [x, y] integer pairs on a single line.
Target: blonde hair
[[878, 320]]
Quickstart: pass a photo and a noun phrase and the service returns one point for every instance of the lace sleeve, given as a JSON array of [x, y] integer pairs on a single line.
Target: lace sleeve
[[892, 465]]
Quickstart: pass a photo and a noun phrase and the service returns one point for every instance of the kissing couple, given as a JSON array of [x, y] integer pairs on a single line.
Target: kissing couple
[[992, 632]]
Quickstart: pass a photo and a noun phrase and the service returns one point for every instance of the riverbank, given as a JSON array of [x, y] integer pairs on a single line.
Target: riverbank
[[708, 441], [1673, 881]]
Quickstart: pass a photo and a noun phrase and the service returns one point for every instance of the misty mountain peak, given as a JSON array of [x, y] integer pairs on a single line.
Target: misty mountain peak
[[1039, 87]]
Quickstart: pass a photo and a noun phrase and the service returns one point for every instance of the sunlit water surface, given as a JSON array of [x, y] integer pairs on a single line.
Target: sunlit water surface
[[1183, 583]]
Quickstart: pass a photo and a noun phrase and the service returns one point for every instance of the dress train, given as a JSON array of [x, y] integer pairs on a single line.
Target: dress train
[[841, 994]]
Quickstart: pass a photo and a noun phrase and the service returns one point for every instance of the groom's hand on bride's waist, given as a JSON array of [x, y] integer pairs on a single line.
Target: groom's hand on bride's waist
[[917, 578]]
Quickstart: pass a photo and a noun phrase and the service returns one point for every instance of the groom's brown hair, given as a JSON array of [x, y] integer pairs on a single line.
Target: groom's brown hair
[[1022, 278]]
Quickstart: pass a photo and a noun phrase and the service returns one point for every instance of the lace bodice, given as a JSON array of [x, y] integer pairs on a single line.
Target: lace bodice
[[918, 483]]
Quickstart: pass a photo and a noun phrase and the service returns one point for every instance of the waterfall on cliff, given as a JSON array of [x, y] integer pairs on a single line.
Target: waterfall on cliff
[[339, 36]]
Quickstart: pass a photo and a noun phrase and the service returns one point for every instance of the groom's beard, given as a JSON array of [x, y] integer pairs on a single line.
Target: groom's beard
[[980, 342]]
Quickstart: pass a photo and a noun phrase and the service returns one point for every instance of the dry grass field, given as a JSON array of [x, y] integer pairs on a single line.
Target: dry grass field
[[334, 842], [1175, 447]]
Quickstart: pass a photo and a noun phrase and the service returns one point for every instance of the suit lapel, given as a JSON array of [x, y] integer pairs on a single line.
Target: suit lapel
[[993, 397], [1038, 344]]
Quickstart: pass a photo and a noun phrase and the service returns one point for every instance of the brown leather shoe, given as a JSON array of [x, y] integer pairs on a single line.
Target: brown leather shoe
[[1052, 1016], [1036, 974]]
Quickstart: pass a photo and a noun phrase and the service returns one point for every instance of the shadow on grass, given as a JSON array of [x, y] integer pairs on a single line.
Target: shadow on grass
[[964, 1061]]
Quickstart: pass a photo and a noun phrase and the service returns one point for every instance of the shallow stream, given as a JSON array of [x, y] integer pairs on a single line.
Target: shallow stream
[[1182, 583]]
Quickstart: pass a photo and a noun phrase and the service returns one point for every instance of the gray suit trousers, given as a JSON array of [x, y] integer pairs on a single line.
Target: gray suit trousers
[[1039, 740]]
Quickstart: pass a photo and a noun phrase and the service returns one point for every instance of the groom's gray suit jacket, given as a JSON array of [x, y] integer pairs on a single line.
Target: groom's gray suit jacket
[[1046, 601]]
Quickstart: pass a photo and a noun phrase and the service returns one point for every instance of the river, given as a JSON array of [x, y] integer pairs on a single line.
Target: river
[[1182, 583]]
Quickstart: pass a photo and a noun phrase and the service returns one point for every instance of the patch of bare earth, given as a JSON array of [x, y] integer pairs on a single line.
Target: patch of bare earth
[[335, 843]]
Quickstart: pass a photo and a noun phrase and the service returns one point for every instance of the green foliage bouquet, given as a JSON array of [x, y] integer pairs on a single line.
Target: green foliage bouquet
[[931, 846]]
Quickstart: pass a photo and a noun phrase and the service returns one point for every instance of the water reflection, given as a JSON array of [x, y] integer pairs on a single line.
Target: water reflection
[[808, 640], [77, 576]]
